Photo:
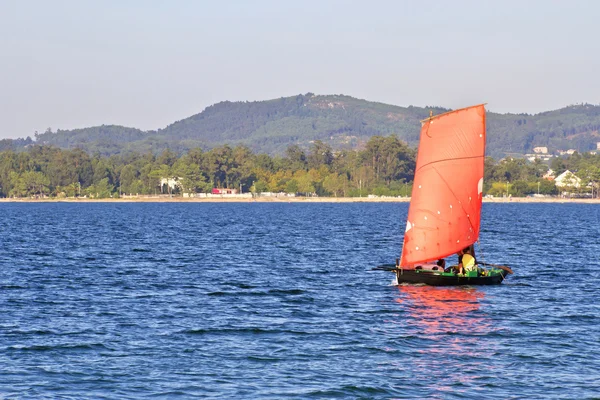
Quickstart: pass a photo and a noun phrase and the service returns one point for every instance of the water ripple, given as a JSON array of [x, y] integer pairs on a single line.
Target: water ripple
[[278, 300]]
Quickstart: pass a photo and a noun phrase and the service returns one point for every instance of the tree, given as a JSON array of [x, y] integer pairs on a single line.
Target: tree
[[548, 187], [291, 186], [127, 178], [29, 183], [102, 171], [243, 162], [320, 154], [260, 186], [167, 157], [296, 159], [333, 184], [101, 190], [305, 182], [390, 158], [73, 189], [362, 178], [511, 169], [193, 180], [590, 178], [8, 165], [218, 163], [558, 165], [520, 188], [278, 182]]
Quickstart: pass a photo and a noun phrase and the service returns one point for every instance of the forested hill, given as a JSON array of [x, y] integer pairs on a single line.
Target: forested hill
[[341, 121]]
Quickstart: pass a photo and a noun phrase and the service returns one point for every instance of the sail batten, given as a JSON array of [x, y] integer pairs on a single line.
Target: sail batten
[[445, 208]]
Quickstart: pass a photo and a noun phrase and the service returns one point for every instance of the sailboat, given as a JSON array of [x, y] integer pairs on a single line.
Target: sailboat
[[445, 207]]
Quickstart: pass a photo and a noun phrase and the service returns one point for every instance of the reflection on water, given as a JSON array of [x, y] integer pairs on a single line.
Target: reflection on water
[[441, 310], [447, 325]]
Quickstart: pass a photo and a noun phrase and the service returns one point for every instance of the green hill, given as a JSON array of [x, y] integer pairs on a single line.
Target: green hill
[[341, 121]]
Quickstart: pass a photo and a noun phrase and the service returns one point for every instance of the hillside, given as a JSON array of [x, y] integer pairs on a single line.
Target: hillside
[[342, 121]]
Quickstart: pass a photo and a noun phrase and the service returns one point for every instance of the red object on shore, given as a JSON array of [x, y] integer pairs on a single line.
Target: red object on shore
[[224, 191]]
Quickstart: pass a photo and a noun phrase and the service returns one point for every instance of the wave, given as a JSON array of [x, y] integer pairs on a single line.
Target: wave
[[41, 348]]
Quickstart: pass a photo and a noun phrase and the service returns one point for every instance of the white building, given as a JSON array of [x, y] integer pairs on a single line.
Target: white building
[[170, 182], [540, 150], [567, 178], [539, 156], [569, 152]]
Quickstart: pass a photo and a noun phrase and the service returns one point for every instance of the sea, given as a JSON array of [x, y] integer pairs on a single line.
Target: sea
[[279, 300]]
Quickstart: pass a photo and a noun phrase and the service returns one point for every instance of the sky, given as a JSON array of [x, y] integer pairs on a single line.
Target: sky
[[67, 64]]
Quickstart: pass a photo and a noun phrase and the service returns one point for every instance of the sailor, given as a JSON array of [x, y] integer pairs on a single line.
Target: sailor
[[441, 263], [466, 260]]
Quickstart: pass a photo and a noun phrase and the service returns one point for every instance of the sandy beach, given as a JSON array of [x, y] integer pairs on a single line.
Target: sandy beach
[[238, 199]]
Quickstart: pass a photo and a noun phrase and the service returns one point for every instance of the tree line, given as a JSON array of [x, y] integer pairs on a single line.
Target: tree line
[[384, 166]]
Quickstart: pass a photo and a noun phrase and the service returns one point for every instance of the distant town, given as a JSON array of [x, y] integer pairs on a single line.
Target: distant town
[[543, 154]]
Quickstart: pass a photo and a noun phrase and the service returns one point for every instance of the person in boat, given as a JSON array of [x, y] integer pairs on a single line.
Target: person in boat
[[441, 263], [466, 260]]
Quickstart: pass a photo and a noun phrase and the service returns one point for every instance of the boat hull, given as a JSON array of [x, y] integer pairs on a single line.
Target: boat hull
[[435, 278]]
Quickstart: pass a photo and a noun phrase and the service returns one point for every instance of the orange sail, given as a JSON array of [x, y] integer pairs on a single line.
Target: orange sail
[[445, 206]]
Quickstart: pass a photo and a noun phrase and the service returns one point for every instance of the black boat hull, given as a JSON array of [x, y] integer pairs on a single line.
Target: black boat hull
[[435, 278]]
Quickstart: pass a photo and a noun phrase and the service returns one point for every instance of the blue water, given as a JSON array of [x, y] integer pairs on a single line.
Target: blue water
[[276, 301]]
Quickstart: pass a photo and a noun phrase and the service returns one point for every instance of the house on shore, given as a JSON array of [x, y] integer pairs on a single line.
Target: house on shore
[[567, 179]]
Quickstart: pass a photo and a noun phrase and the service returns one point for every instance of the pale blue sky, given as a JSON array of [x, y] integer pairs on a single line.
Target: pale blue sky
[[76, 63]]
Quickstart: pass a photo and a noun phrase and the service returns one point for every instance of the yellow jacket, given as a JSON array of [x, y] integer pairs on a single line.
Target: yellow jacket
[[468, 262]]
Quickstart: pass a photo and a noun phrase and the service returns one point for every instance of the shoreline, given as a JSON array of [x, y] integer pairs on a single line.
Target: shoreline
[[224, 199]]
